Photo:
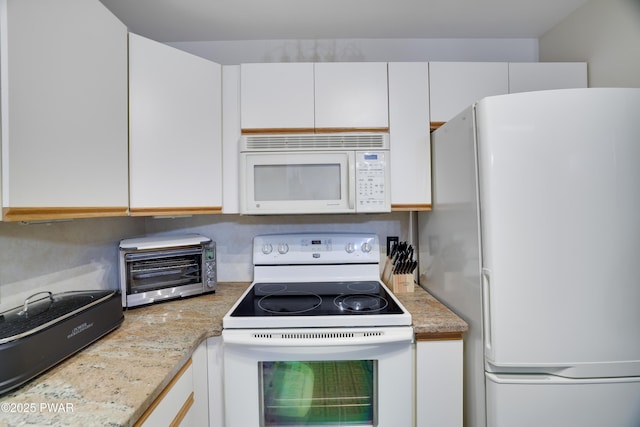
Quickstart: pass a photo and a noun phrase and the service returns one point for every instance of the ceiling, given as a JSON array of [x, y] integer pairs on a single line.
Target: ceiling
[[218, 20]]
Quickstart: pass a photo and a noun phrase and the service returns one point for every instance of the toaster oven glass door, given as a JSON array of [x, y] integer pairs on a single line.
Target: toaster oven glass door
[[155, 270]]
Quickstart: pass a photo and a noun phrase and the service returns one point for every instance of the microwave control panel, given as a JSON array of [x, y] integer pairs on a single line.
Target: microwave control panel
[[372, 178]]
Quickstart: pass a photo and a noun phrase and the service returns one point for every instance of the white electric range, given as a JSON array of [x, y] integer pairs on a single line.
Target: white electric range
[[318, 339]]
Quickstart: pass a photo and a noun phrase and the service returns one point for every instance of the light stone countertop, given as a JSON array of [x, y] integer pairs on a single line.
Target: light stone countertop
[[114, 380], [431, 319]]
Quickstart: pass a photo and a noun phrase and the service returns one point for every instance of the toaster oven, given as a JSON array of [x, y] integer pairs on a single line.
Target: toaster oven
[[160, 268]]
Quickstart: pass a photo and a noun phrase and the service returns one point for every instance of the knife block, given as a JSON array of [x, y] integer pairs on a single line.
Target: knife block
[[402, 283], [398, 283], [387, 272]]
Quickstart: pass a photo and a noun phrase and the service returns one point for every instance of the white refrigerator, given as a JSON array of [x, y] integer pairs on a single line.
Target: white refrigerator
[[534, 240]]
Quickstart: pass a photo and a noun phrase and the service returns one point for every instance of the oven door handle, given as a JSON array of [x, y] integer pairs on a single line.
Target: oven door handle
[[317, 337]]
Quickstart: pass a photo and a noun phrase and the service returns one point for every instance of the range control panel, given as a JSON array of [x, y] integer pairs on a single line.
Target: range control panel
[[316, 248]]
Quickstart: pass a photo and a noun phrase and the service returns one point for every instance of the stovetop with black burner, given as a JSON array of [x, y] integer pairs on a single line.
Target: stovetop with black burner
[[316, 280], [355, 298]]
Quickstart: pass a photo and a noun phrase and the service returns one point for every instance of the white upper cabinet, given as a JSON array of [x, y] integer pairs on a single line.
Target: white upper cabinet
[[277, 96], [351, 95], [304, 97], [532, 76], [64, 110], [409, 136], [456, 85], [230, 139], [175, 151]]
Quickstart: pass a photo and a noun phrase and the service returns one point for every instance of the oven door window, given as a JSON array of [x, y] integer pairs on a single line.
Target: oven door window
[[153, 270], [318, 393]]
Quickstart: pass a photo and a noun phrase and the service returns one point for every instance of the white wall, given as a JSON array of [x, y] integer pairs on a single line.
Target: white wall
[[370, 50], [605, 34]]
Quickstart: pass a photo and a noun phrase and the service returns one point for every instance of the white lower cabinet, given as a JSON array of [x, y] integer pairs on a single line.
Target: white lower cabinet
[[184, 401], [173, 406], [439, 383], [216, 385], [200, 408]]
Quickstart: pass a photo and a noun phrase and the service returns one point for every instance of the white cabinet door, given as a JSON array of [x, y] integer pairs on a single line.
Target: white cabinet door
[[175, 131], [409, 135], [456, 85], [351, 96], [174, 405], [215, 358], [305, 96], [277, 96], [530, 76], [439, 383], [64, 110], [230, 138], [200, 408]]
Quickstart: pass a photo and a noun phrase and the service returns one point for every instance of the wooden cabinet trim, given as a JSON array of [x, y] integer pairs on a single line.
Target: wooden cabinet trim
[[438, 336], [435, 125], [342, 130], [195, 210], [416, 207], [269, 131], [262, 131], [57, 213], [182, 413]]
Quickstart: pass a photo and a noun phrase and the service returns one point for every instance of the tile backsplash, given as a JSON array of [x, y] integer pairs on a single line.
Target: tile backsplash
[[60, 256], [83, 254]]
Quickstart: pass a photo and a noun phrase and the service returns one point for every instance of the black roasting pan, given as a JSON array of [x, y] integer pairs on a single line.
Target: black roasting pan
[[49, 327]]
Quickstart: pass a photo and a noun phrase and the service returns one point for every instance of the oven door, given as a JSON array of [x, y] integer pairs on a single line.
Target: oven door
[[319, 377], [297, 182], [156, 275]]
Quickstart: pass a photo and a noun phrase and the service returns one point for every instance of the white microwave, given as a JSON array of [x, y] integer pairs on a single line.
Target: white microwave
[[314, 173]]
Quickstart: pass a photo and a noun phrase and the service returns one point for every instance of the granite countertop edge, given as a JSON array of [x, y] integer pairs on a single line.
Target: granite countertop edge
[[114, 380]]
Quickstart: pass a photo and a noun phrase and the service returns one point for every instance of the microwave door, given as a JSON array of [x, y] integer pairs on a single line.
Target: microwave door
[[297, 182]]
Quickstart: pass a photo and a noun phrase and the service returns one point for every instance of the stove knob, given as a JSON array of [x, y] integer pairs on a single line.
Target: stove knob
[[350, 247], [267, 248], [366, 247], [283, 248]]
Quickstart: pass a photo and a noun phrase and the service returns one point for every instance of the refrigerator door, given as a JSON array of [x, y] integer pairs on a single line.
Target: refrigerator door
[[548, 401], [559, 201]]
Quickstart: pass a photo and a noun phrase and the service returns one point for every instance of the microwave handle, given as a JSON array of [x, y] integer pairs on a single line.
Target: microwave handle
[[352, 182]]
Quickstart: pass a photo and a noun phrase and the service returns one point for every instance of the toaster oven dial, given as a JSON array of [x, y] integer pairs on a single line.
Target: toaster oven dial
[[267, 248], [366, 247]]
